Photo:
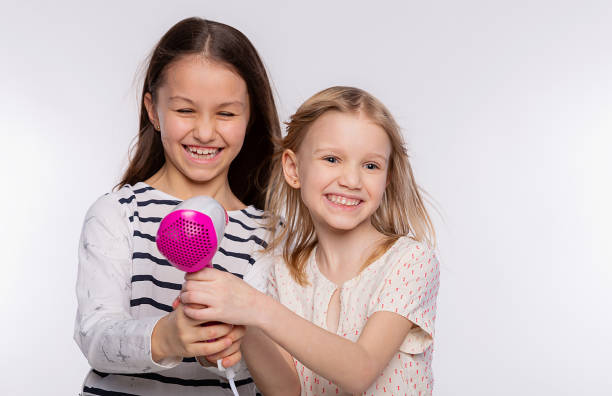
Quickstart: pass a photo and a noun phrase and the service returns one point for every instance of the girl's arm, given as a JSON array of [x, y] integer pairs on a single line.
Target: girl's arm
[[109, 337], [351, 365], [271, 366], [111, 340]]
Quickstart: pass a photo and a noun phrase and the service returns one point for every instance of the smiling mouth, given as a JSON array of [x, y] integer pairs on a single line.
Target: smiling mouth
[[202, 153], [340, 200]]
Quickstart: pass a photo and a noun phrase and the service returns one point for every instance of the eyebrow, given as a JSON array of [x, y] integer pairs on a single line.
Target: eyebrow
[[181, 98], [330, 150], [235, 102], [224, 104]]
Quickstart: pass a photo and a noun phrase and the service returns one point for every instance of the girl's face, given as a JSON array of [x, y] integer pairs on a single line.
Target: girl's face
[[341, 170], [202, 111]]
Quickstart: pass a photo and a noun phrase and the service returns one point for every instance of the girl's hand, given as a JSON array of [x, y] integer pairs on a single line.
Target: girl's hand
[[176, 335], [232, 354], [226, 297]]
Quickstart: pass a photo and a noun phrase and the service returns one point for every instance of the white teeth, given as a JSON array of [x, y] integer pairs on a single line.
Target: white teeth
[[343, 200], [202, 153]]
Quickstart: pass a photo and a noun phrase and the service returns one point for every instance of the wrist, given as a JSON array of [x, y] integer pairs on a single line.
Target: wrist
[[266, 312], [159, 349]]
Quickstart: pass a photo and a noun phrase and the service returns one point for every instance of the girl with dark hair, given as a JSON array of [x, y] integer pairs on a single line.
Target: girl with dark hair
[[207, 122]]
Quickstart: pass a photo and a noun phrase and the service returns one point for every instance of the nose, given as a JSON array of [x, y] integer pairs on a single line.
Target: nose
[[350, 177], [204, 129]]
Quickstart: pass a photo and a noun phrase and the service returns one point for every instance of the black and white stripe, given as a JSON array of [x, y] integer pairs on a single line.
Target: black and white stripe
[[155, 284]]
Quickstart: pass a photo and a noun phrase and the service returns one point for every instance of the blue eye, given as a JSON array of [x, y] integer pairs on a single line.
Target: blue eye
[[331, 160], [371, 166]]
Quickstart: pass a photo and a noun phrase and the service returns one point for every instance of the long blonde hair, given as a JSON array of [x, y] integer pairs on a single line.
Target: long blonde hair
[[401, 212]]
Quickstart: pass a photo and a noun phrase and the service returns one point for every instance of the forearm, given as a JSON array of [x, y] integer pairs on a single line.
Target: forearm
[[336, 358], [116, 344], [107, 334], [271, 367]]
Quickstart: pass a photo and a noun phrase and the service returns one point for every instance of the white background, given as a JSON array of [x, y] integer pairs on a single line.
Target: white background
[[506, 107]]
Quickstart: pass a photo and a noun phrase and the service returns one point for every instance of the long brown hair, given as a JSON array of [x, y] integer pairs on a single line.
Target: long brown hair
[[216, 41], [401, 212]]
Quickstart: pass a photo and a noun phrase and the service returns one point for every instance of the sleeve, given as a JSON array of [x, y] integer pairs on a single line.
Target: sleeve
[[259, 274], [410, 289], [109, 337]]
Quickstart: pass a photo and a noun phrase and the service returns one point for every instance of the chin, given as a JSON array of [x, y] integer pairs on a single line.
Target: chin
[[199, 178], [343, 226]]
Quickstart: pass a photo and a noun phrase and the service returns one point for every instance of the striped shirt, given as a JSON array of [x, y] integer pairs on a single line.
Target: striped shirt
[[125, 285]]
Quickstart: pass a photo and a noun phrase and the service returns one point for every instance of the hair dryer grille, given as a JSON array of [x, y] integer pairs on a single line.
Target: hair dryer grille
[[187, 239]]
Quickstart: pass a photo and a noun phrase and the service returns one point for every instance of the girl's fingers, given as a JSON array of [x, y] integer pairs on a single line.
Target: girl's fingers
[[207, 348], [214, 331], [205, 274], [198, 306], [176, 303], [196, 285], [233, 349], [195, 297], [228, 361], [200, 315], [231, 360], [237, 333]]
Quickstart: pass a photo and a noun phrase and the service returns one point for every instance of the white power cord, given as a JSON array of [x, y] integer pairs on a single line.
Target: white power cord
[[230, 374]]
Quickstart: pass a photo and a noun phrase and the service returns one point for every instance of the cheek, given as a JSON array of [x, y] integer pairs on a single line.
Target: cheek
[[313, 183], [378, 186], [310, 179], [174, 128], [233, 133]]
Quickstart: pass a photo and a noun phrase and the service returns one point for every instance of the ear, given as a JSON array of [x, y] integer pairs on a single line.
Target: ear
[[150, 106], [290, 168]]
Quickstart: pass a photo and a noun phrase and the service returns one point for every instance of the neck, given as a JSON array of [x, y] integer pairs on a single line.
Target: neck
[[171, 181], [340, 255]]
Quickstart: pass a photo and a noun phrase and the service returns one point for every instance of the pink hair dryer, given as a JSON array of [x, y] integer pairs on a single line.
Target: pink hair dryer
[[190, 235]]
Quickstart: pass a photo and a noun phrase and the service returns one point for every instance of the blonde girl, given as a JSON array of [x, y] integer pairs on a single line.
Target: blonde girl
[[353, 280]]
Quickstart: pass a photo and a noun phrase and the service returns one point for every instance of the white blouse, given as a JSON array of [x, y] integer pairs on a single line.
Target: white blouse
[[404, 281]]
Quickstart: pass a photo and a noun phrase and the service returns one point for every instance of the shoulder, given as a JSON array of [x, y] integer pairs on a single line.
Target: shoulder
[[262, 270], [125, 196], [111, 204], [250, 223], [411, 255], [250, 217], [120, 206], [281, 283], [109, 216], [407, 246], [273, 262]]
